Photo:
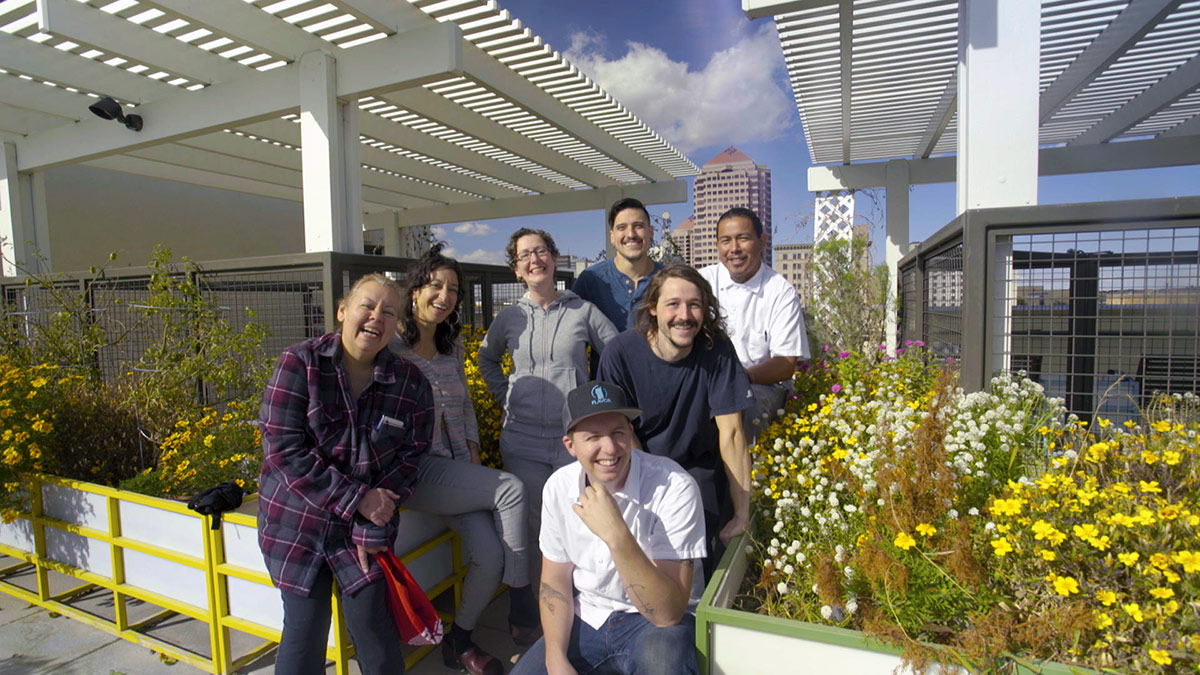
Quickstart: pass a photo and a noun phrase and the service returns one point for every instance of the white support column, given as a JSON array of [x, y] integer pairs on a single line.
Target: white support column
[[24, 231], [896, 241], [329, 157], [998, 50]]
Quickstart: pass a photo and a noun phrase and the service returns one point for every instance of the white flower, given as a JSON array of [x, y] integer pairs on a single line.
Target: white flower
[[826, 611], [851, 605], [782, 588], [972, 511], [788, 569]]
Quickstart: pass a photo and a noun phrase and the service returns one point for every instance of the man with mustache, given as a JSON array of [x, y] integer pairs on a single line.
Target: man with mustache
[[761, 310], [616, 285], [680, 368]]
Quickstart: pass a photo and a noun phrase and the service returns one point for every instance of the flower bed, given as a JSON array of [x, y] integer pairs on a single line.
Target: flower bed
[[891, 502]]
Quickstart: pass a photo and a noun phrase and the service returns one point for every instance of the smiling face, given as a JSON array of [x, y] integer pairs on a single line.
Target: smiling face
[[537, 267], [631, 234], [739, 247], [678, 317], [368, 319], [603, 445], [435, 300]]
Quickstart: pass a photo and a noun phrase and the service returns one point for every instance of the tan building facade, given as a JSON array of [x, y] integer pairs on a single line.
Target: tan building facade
[[730, 179]]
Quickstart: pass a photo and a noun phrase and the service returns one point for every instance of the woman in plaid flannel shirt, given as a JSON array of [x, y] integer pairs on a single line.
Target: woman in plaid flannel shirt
[[344, 423]]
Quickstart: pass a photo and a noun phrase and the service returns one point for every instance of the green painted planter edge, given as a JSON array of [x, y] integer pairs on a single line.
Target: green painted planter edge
[[731, 568]]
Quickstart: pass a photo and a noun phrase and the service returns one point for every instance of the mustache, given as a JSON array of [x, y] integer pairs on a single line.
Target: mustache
[[683, 323]]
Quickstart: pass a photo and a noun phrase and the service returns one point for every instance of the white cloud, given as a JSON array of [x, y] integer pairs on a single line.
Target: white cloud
[[438, 232], [736, 98], [474, 229], [480, 255]]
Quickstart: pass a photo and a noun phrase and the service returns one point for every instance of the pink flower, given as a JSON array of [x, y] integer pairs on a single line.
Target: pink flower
[[919, 343], [899, 351], [825, 348], [908, 343], [842, 355], [837, 388]]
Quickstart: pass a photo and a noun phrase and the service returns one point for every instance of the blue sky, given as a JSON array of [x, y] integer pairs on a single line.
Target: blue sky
[[703, 76]]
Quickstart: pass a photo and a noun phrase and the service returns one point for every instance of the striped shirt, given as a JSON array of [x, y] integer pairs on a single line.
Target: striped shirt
[[454, 423], [322, 451]]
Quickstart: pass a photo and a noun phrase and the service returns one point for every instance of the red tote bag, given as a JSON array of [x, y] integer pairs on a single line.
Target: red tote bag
[[415, 617]]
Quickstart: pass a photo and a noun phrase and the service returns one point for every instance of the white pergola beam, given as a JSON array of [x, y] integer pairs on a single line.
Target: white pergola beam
[[42, 98], [504, 81], [24, 230], [408, 59], [946, 107], [1162, 94], [389, 15], [185, 174], [91, 27], [327, 166], [378, 127], [1148, 154], [450, 114], [1137, 19], [372, 156], [666, 192], [249, 23], [998, 57], [44, 62], [21, 121], [758, 9]]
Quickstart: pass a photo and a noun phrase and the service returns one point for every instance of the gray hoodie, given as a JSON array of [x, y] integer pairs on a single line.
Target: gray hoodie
[[549, 352]]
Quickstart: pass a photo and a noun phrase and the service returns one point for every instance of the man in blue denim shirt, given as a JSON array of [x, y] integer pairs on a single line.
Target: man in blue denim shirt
[[617, 285]]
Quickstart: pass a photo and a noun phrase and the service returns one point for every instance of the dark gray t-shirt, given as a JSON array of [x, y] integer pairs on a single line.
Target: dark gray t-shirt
[[679, 400]]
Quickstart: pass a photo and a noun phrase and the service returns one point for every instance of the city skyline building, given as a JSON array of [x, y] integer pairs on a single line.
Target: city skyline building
[[730, 179]]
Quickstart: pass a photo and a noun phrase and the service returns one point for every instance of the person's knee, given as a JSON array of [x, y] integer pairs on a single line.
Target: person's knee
[[668, 650], [510, 491]]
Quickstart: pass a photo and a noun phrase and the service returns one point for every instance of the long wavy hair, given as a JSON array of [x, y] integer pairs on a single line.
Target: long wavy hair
[[713, 325], [419, 275]]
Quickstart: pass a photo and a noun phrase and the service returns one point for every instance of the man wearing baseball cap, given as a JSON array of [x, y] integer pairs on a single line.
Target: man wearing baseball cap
[[621, 532]]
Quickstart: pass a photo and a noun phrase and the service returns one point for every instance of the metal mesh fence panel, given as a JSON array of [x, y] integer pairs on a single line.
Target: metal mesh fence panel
[[942, 307], [1104, 319], [910, 304]]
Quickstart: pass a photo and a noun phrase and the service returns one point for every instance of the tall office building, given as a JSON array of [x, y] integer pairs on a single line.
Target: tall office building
[[682, 236], [730, 179]]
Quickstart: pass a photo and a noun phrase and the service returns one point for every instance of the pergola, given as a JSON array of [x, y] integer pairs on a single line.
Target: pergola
[[987, 93], [460, 112]]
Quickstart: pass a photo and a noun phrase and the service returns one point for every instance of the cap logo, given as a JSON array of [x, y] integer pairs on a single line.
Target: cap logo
[[599, 396]]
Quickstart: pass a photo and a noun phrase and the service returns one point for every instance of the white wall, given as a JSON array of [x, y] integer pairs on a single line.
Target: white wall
[[92, 212]]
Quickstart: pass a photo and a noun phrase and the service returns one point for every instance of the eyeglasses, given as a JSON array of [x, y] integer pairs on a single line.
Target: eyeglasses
[[540, 252]]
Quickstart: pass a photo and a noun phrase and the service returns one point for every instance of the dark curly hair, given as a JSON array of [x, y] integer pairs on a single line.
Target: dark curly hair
[[511, 249], [419, 275], [713, 326]]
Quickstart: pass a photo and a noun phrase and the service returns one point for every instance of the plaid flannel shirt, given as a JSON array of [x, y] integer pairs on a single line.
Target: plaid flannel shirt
[[322, 452]]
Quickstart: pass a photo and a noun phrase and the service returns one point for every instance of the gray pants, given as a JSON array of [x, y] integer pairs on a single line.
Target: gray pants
[[533, 459], [487, 508], [768, 399]]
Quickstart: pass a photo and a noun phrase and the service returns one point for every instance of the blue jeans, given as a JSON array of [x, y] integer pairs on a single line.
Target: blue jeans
[[627, 643]]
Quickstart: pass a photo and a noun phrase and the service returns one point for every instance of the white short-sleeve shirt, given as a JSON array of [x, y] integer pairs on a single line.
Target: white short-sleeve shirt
[[763, 315], [661, 505]]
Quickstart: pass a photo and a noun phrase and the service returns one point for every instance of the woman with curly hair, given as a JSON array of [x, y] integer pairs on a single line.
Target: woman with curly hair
[[547, 332], [486, 507]]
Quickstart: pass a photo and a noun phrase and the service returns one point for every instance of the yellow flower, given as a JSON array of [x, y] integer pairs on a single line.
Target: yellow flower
[[1149, 456], [1066, 586], [1097, 451], [38, 382], [1106, 598], [1169, 512], [1129, 559], [904, 541], [1007, 507], [1134, 611], [1160, 560], [926, 529], [1086, 531], [1160, 656], [1103, 422], [1001, 546], [1048, 555], [1161, 426], [1149, 487], [1162, 593], [1171, 457], [1190, 561], [1103, 620]]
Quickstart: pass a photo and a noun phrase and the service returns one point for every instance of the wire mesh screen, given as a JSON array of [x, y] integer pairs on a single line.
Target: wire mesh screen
[[1104, 319], [943, 302], [291, 303], [910, 303]]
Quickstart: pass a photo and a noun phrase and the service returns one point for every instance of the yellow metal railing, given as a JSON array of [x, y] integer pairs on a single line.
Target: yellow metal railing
[[216, 569]]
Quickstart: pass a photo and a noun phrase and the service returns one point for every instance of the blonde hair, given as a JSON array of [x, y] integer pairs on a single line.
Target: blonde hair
[[373, 277]]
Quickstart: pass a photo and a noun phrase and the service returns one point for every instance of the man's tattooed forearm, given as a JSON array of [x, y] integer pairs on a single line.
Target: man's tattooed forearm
[[551, 596], [635, 597]]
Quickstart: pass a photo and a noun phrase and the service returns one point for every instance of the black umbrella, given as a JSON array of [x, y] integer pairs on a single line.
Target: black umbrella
[[217, 500]]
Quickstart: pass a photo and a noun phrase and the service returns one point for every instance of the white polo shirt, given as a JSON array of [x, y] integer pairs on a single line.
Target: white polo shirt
[[763, 314], [661, 505]]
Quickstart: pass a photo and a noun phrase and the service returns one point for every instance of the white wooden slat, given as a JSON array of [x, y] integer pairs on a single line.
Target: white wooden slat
[[250, 24], [24, 56]]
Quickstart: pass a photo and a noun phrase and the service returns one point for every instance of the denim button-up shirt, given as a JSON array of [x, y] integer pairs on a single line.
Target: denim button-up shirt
[[322, 451], [606, 287]]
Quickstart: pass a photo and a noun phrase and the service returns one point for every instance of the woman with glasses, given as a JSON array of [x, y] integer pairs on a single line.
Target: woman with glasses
[[547, 332]]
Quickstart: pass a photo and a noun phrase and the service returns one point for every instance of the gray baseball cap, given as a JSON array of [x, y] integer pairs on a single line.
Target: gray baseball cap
[[594, 398]]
